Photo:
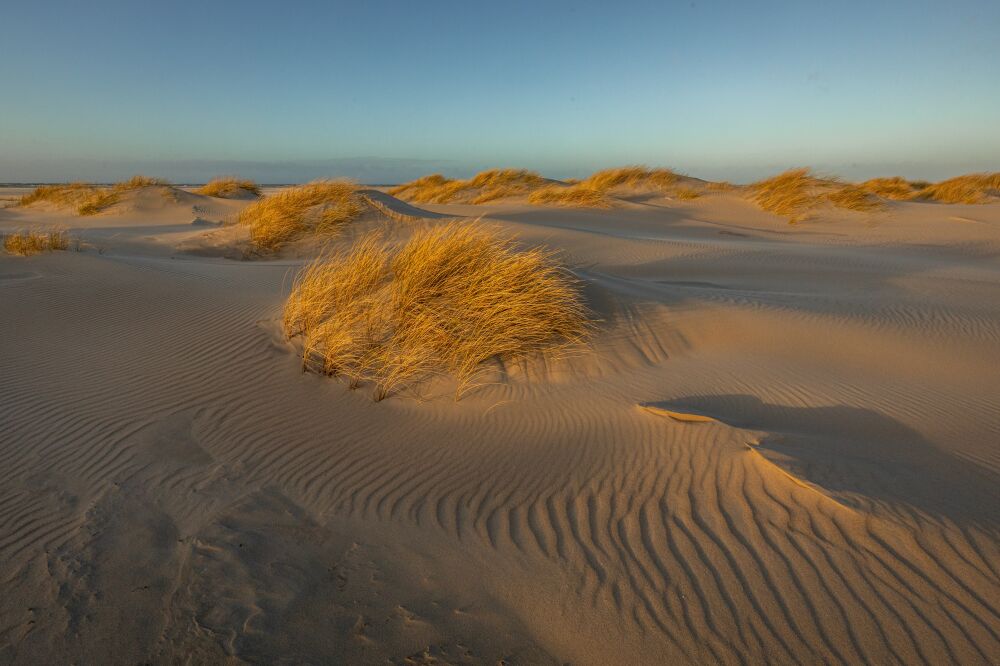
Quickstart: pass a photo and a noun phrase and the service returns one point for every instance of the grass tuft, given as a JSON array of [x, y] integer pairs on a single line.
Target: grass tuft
[[446, 302], [796, 192], [895, 188], [72, 194], [853, 197], [684, 193], [26, 243], [631, 176], [788, 194], [322, 206], [484, 187], [972, 188], [88, 199], [227, 187], [578, 196]]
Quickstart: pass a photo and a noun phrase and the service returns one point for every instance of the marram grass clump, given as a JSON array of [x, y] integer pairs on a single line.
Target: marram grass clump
[[576, 196], [484, 187], [26, 243], [636, 176], [894, 188], [795, 193], [228, 187], [447, 302], [322, 206], [88, 199], [788, 194], [853, 197], [684, 193], [972, 188]]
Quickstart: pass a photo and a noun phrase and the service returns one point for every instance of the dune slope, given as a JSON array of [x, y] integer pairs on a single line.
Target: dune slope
[[783, 446]]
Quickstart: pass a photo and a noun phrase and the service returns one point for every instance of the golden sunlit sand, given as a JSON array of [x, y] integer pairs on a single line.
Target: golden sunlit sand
[[687, 432]]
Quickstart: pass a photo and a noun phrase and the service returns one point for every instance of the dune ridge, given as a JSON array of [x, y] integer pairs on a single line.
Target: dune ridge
[[89, 199], [794, 194]]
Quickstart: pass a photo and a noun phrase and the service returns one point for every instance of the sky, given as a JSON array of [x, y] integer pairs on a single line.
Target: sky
[[386, 91]]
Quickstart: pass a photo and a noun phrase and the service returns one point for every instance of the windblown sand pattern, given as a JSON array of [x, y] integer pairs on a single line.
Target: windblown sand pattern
[[175, 488]]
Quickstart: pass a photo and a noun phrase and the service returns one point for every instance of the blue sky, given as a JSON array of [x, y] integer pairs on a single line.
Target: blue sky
[[383, 91]]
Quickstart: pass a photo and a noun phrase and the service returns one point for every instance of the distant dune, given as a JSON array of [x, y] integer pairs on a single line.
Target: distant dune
[[795, 194]]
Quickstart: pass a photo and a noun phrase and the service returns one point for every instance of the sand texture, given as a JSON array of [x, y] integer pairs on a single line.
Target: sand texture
[[782, 445]]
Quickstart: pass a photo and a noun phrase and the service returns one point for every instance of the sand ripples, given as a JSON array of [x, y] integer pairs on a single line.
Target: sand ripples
[[771, 534]]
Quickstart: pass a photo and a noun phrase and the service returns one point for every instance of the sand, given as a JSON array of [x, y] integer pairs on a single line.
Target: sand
[[783, 446]]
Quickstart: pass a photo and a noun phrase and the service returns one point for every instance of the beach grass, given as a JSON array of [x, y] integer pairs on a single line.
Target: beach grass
[[226, 187], [87, 198], [576, 196], [26, 243], [322, 206], [484, 187], [446, 302]]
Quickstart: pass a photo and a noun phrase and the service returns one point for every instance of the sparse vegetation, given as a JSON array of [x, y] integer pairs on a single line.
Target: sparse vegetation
[[796, 192], [27, 243], [415, 190], [788, 194], [631, 176], [578, 196], [793, 194], [484, 187], [72, 194], [322, 206], [895, 188], [228, 187], [970, 188], [591, 192], [853, 197], [684, 193], [448, 301], [973, 188], [88, 199]]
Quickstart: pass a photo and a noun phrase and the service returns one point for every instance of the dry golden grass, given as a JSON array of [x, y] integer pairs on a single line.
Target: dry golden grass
[[630, 176], [227, 187], [789, 194], [139, 181], [484, 187], [972, 188], [578, 196], [72, 194], [88, 199], [721, 186], [446, 302], [322, 206], [684, 193], [853, 197], [890, 188], [27, 243], [414, 188], [796, 192], [793, 194], [504, 178], [504, 183]]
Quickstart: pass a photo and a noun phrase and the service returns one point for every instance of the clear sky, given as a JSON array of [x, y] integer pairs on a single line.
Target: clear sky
[[379, 90]]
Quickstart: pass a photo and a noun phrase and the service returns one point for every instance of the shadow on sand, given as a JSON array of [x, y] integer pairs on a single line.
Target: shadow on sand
[[852, 452]]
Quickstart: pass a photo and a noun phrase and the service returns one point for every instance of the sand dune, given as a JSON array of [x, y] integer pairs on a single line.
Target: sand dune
[[782, 446]]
